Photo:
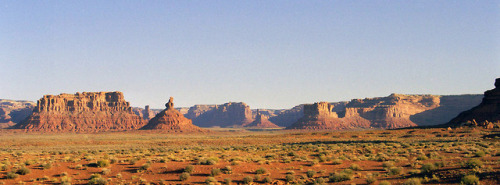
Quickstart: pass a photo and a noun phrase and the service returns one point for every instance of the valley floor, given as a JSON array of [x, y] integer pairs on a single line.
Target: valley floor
[[431, 156]]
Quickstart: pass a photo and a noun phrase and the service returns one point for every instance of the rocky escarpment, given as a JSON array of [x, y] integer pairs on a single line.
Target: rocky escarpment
[[486, 114], [261, 121], [14, 111], [394, 111], [171, 120], [226, 115], [321, 116], [145, 113], [285, 118], [82, 112]]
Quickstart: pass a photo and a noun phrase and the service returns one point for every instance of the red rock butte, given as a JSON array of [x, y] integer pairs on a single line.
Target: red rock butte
[[171, 120], [82, 112], [486, 114], [261, 121]]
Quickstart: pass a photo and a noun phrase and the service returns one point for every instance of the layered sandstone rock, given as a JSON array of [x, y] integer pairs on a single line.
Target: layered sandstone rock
[[321, 116], [171, 120], [145, 113], [226, 115], [82, 112], [261, 121], [14, 111], [394, 111], [486, 114]]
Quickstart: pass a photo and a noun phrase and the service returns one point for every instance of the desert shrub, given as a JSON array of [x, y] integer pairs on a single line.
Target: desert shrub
[[210, 180], [209, 161], [384, 183], [261, 171], [422, 158], [145, 166], [387, 164], [310, 173], [11, 175], [339, 177], [184, 176], [394, 171], [4, 167], [314, 162], [189, 169], [370, 180], [479, 153], [428, 168], [46, 166], [29, 162], [23, 171], [267, 180], [412, 181], [103, 163], [337, 161], [257, 177], [473, 163], [355, 167], [227, 170], [470, 180], [289, 178], [96, 179], [247, 180], [228, 181], [106, 171], [215, 172]]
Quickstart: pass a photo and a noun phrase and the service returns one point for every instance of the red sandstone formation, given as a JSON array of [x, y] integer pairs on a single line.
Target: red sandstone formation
[[261, 122], [486, 114], [171, 120], [82, 112], [13, 111], [320, 116], [227, 115], [394, 111]]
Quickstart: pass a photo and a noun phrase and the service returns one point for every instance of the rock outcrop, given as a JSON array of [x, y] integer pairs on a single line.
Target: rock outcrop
[[171, 120], [285, 118], [261, 121], [82, 112], [226, 115], [486, 114], [14, 111], [320, 116], [145, 113], [394, 111]]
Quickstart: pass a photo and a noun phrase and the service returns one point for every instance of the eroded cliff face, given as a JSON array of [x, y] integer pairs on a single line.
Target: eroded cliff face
[[394, 111], [321, 116], [82, 112], [486, 114], [226, 115], [14, 111], [171, 120], [285, 118]]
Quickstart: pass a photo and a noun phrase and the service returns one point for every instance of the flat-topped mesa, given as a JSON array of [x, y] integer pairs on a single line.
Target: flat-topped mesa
[[486, 114], [232, 114], [321, 109], [319, 116], [86, 101], [171, 120], [82, 112]]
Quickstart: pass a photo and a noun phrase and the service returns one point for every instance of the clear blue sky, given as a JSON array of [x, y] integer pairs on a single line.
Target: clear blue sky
[[269, 54]]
